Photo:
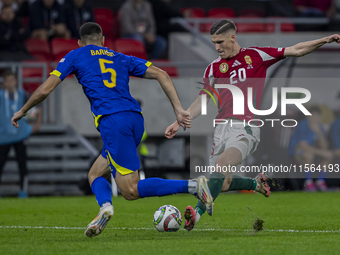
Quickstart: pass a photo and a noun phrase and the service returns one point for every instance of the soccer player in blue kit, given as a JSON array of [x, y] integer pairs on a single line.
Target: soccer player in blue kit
[[104, 75]]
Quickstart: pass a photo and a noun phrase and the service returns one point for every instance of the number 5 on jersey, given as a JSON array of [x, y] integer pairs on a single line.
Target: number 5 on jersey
[[103, 69]]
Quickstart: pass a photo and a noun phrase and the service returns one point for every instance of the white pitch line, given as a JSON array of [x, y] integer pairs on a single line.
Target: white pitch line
[[203, 229]]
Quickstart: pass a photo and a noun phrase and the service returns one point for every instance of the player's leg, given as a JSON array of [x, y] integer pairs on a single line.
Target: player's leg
[[133, 188], [4, 149], [21, 157], [101, 188], [121, 150], [218, 181], [234, 181], [238, 145]]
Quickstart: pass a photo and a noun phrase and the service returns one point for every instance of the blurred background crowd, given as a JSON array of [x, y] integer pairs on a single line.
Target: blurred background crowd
[[145, 21]]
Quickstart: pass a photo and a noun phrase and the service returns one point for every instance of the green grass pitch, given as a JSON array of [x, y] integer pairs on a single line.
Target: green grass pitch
[[294, 223]]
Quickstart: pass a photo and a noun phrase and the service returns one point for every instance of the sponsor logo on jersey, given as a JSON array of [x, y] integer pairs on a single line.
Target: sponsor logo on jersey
[[236, 63], [224, 67], [248, 60]]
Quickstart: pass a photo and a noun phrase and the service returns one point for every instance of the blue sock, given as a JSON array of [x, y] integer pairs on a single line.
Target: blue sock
[[102, 189], [151, 187]]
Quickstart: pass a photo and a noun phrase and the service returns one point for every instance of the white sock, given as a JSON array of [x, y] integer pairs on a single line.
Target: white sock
[[198, 216], [192, 187], [105, 205]]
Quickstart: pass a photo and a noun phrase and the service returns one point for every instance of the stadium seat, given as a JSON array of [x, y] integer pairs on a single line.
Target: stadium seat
[[221, 13], [60, 47], [171, 70], [131, 47], [109, 43], [30, 72], [39, 49], [217, 13], [250, 27], [193, 12], [251, 13], [105, 18], [286, 27]]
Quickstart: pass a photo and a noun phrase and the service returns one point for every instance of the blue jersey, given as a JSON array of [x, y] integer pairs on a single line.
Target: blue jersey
[[104, 75]]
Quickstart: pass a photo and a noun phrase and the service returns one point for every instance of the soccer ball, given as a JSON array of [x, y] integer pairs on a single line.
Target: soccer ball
[[167, 219]]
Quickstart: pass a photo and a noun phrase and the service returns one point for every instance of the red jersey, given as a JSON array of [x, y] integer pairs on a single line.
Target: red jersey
[[247, 69]]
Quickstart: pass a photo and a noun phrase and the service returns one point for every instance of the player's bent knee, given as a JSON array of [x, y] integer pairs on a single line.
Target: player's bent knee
[[130, 192]]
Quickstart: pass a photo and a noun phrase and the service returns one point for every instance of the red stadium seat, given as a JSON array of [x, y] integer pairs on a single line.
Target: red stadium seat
[[39, 49], [286, 27], [250, 27], [193, 12], [60, 47], [105, 18], [131, 47], [217, 13], [110, 44], [30, 72], [171, 70], [251, 13], [221, 13]]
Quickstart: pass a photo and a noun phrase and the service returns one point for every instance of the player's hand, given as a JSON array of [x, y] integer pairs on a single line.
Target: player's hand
[[333, 38], [16, 117], [183, 119], [171, 130]]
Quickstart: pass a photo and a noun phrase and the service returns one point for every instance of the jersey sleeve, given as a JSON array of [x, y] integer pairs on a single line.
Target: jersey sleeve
[[137, 66], [65, 66], [270, 55], [208, 80]]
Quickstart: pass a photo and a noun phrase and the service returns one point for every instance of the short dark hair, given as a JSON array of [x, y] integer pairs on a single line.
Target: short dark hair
[[90, 32], [7, 73], [222, 26]]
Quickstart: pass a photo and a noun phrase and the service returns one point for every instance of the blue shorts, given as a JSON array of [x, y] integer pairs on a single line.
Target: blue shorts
[[121, 133]]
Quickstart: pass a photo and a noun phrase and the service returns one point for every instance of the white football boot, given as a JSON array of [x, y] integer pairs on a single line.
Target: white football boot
[[203, 193], [99, 222]]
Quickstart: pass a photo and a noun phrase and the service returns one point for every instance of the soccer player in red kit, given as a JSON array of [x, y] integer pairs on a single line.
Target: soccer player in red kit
[[244, 68]]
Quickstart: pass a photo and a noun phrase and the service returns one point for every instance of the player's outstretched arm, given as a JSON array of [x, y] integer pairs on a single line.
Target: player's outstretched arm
[[37, 97], [304, 48], [183, 117]]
